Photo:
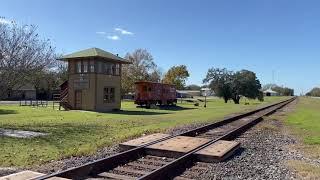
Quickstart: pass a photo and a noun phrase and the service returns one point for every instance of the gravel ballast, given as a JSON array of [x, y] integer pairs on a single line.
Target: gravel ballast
[[264, 151], [261, 157]]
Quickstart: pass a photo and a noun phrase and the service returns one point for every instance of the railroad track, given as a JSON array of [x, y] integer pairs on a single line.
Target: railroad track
[[137, 163]]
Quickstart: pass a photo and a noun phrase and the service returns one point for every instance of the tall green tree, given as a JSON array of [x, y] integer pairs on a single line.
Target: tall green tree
[[230, 85], [245, 83], [177, 75], [220, 80]]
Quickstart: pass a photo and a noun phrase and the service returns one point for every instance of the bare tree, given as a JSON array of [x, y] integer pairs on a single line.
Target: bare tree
[[142, 68], [23, 54]]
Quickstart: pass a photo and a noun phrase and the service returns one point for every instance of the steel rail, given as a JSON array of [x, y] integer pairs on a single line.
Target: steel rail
[[108, 163]]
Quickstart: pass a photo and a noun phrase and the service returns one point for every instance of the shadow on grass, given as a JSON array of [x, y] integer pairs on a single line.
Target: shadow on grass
[[168, 108], [7, 111], [126, 112], [175, 108]]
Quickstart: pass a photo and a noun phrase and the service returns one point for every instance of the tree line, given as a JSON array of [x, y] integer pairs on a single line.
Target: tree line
[[314, 92]]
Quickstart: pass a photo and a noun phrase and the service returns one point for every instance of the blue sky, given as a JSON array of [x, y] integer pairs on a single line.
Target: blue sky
[[258, 35]]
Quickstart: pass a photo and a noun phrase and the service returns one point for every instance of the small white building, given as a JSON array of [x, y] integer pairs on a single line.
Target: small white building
[[270, 92], [187, 93], [207, 92], [26, 91]]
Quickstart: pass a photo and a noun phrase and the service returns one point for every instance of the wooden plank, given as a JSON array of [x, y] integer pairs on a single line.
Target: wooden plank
[[142, 140], [217, 151], [116, 176], [176, 146]]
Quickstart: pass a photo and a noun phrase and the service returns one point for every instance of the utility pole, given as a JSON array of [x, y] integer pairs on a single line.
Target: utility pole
[[273, 77], [205, 100]]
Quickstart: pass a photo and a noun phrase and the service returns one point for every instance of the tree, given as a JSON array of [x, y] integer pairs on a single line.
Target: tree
[[245, 83], [46, 81], [230, 85], [287, 92], [220, 80], [177, 75], [193, 87], [314, 92], [143, 68], [23, 54]]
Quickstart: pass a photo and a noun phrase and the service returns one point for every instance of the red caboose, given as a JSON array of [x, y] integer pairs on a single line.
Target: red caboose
[[148, 93]]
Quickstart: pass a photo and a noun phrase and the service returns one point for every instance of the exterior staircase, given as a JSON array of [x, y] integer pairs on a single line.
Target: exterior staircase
[[63, 97]]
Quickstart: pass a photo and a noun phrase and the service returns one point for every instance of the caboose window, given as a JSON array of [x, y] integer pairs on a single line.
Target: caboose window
[[109, 95], [145, 88], [149, 89]]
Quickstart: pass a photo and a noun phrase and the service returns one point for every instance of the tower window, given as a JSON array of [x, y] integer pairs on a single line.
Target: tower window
[[91, 67], [109, 95], [78, 67], [85, 66], [117, 73]]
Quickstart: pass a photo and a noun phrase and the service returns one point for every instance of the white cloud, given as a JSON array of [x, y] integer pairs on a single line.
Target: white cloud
[[5, 21], [113, 37], [122, 31], [101, 32]]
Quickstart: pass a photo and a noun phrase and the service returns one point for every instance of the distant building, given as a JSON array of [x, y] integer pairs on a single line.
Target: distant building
[[94, 81], [270, 92], [187, 93], [128, 96], [207, 92], [26, 92]]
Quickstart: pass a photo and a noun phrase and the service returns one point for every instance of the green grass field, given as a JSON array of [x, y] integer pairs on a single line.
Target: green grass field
[[304, 123], [73, 133], [306, 120]]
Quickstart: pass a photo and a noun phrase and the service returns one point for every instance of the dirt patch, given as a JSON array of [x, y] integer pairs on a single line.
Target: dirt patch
[[304, 170], [20, 133]]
